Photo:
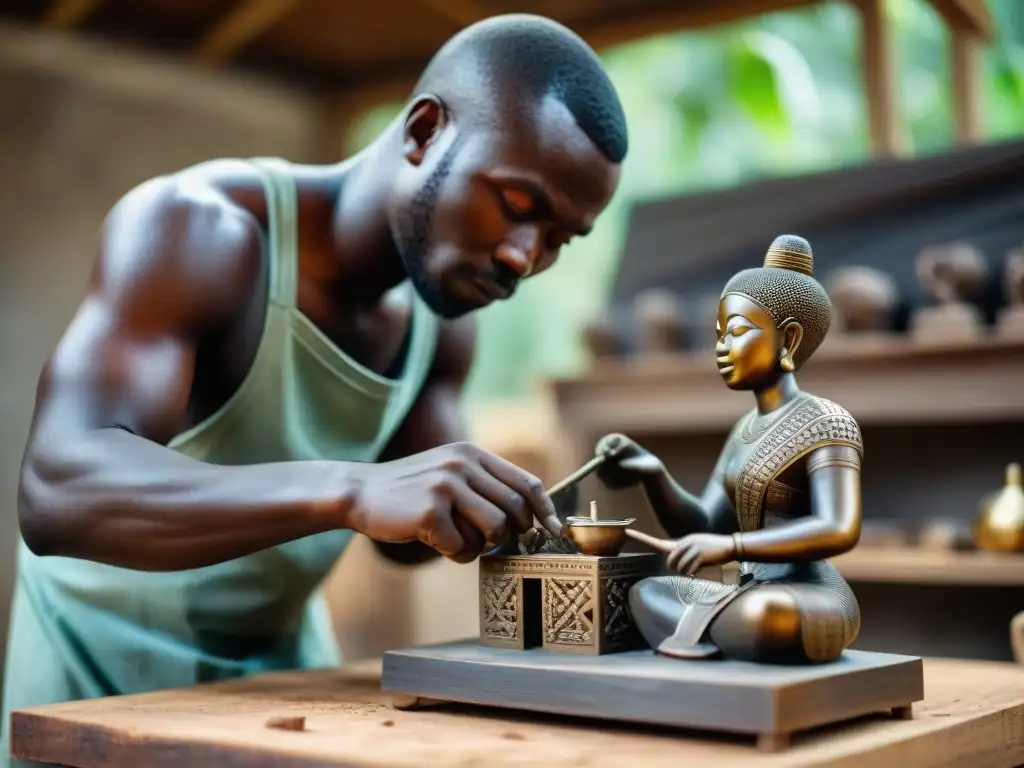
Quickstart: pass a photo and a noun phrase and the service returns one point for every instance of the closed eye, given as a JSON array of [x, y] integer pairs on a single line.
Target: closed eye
[[518, 205]]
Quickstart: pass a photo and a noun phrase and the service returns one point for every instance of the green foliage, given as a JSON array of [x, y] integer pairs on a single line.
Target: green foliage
[[773, 95]]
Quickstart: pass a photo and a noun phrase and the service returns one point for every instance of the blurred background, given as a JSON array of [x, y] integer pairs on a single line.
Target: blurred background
[[888, 132]]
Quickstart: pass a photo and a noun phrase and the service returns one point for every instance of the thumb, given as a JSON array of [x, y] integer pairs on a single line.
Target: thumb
[[637, 464], [662, 545]]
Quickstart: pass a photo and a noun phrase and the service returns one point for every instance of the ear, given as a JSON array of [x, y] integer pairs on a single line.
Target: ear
[[423, 124], [792, 335]]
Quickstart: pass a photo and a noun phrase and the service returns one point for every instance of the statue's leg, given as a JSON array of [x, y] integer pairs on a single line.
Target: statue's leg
[[673, 613], [655, 607], [782, 624]]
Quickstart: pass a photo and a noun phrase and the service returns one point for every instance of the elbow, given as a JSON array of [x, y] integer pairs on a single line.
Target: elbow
[[33, 524], [43, 527], [843, 537]]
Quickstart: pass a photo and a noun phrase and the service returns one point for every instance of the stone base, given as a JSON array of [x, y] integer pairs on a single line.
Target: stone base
[[767, 701], [574, 604]]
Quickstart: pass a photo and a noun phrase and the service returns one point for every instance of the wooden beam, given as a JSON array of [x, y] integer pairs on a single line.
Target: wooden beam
[[461, 12], [602, 32], [878, 69], [67, 14], [628, 26], [971, 16], [964, 67], [244, 24]]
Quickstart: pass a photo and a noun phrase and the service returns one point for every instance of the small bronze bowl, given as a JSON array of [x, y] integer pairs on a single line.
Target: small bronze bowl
[[597, 537]]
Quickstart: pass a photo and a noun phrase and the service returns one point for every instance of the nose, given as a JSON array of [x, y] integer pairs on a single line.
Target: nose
[[520, 251]]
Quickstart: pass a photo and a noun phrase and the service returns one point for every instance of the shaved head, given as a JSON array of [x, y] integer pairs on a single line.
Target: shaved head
[[530, 57]]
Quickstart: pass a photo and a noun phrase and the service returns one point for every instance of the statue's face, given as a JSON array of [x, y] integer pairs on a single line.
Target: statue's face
[[749, 344]]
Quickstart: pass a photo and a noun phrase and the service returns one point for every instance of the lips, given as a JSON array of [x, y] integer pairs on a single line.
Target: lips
[[491, 290], [725, 367]]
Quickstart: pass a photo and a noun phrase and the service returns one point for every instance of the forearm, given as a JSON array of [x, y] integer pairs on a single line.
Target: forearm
[[801, 540], [117, 498], [679, 511]]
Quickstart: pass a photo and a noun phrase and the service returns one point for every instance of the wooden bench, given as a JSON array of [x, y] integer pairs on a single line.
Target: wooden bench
[[973, 714]]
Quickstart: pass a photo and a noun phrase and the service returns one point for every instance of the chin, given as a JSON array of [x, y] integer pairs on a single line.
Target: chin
[[739, 385]]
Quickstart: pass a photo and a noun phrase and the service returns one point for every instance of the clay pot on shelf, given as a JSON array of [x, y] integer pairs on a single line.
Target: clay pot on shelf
[[660, 323], [601, 339], [953, 276], [864, 299]]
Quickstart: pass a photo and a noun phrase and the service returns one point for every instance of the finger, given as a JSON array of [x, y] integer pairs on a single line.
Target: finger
[[662, 545], [676, 557], [511, 504], [474, 541], [441, 533], [527, 486], [636, 464], [688, 564], [487, 519], [610, 445], [694, 564]]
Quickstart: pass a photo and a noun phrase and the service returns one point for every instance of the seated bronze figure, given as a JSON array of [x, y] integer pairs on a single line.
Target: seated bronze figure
[[784, 496]]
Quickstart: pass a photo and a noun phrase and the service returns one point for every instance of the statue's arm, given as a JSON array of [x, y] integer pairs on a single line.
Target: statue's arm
[[834, 525], [682, 513]]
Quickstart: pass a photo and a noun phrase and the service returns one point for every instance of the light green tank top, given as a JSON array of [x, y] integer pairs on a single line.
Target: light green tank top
[[103, 630]]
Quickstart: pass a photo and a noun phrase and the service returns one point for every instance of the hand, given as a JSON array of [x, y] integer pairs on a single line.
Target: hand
[[458, 499], [700, 550], [627, 463]]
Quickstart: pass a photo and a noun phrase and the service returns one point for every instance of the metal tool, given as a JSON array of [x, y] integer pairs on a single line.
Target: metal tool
[[539, 539], [579, 475]]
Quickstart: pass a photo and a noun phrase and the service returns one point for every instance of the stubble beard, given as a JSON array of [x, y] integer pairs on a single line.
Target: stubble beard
[[415, 242]]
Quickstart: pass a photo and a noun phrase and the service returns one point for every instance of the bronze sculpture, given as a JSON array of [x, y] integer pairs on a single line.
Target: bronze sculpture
[[569, 633], [784, 496]]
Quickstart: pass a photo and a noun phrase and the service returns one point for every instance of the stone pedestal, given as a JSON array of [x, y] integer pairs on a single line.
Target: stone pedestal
[[576, 604]]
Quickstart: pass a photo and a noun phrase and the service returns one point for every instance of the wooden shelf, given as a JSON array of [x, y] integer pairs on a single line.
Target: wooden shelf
[[881, 381], [927, 567]]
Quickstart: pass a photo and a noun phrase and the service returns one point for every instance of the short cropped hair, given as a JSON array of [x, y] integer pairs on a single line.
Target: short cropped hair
[[538, 57]]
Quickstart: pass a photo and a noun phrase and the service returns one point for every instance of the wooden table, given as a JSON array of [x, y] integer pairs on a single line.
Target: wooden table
[[973, 714]]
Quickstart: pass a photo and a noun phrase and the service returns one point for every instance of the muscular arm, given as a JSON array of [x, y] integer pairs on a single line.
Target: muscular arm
[[435, 418], [176, 261], [832, 528]]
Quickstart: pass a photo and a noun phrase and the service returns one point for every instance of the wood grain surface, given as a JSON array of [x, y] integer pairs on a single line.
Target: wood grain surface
[[973, 714]]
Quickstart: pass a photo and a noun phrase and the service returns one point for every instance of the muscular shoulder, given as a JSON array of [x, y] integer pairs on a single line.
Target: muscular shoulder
[[177, 250]]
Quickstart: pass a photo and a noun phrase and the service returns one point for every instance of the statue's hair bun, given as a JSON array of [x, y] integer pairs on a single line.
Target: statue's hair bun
[[790, 252]]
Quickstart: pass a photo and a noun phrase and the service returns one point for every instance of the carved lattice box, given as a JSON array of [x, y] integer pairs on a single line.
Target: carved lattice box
[[564, 603]]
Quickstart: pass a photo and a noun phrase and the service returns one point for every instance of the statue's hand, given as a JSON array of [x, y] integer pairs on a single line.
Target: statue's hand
[[627, 463], [700, 550]]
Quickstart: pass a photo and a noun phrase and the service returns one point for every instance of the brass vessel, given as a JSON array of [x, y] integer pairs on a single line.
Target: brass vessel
[[597, 537], [1000, 524]]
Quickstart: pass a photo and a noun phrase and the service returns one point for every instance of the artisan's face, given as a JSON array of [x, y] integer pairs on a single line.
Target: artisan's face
[[490, 205], [749, 344]]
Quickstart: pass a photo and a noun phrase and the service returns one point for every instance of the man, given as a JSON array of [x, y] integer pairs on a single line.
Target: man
[[250, 379]]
